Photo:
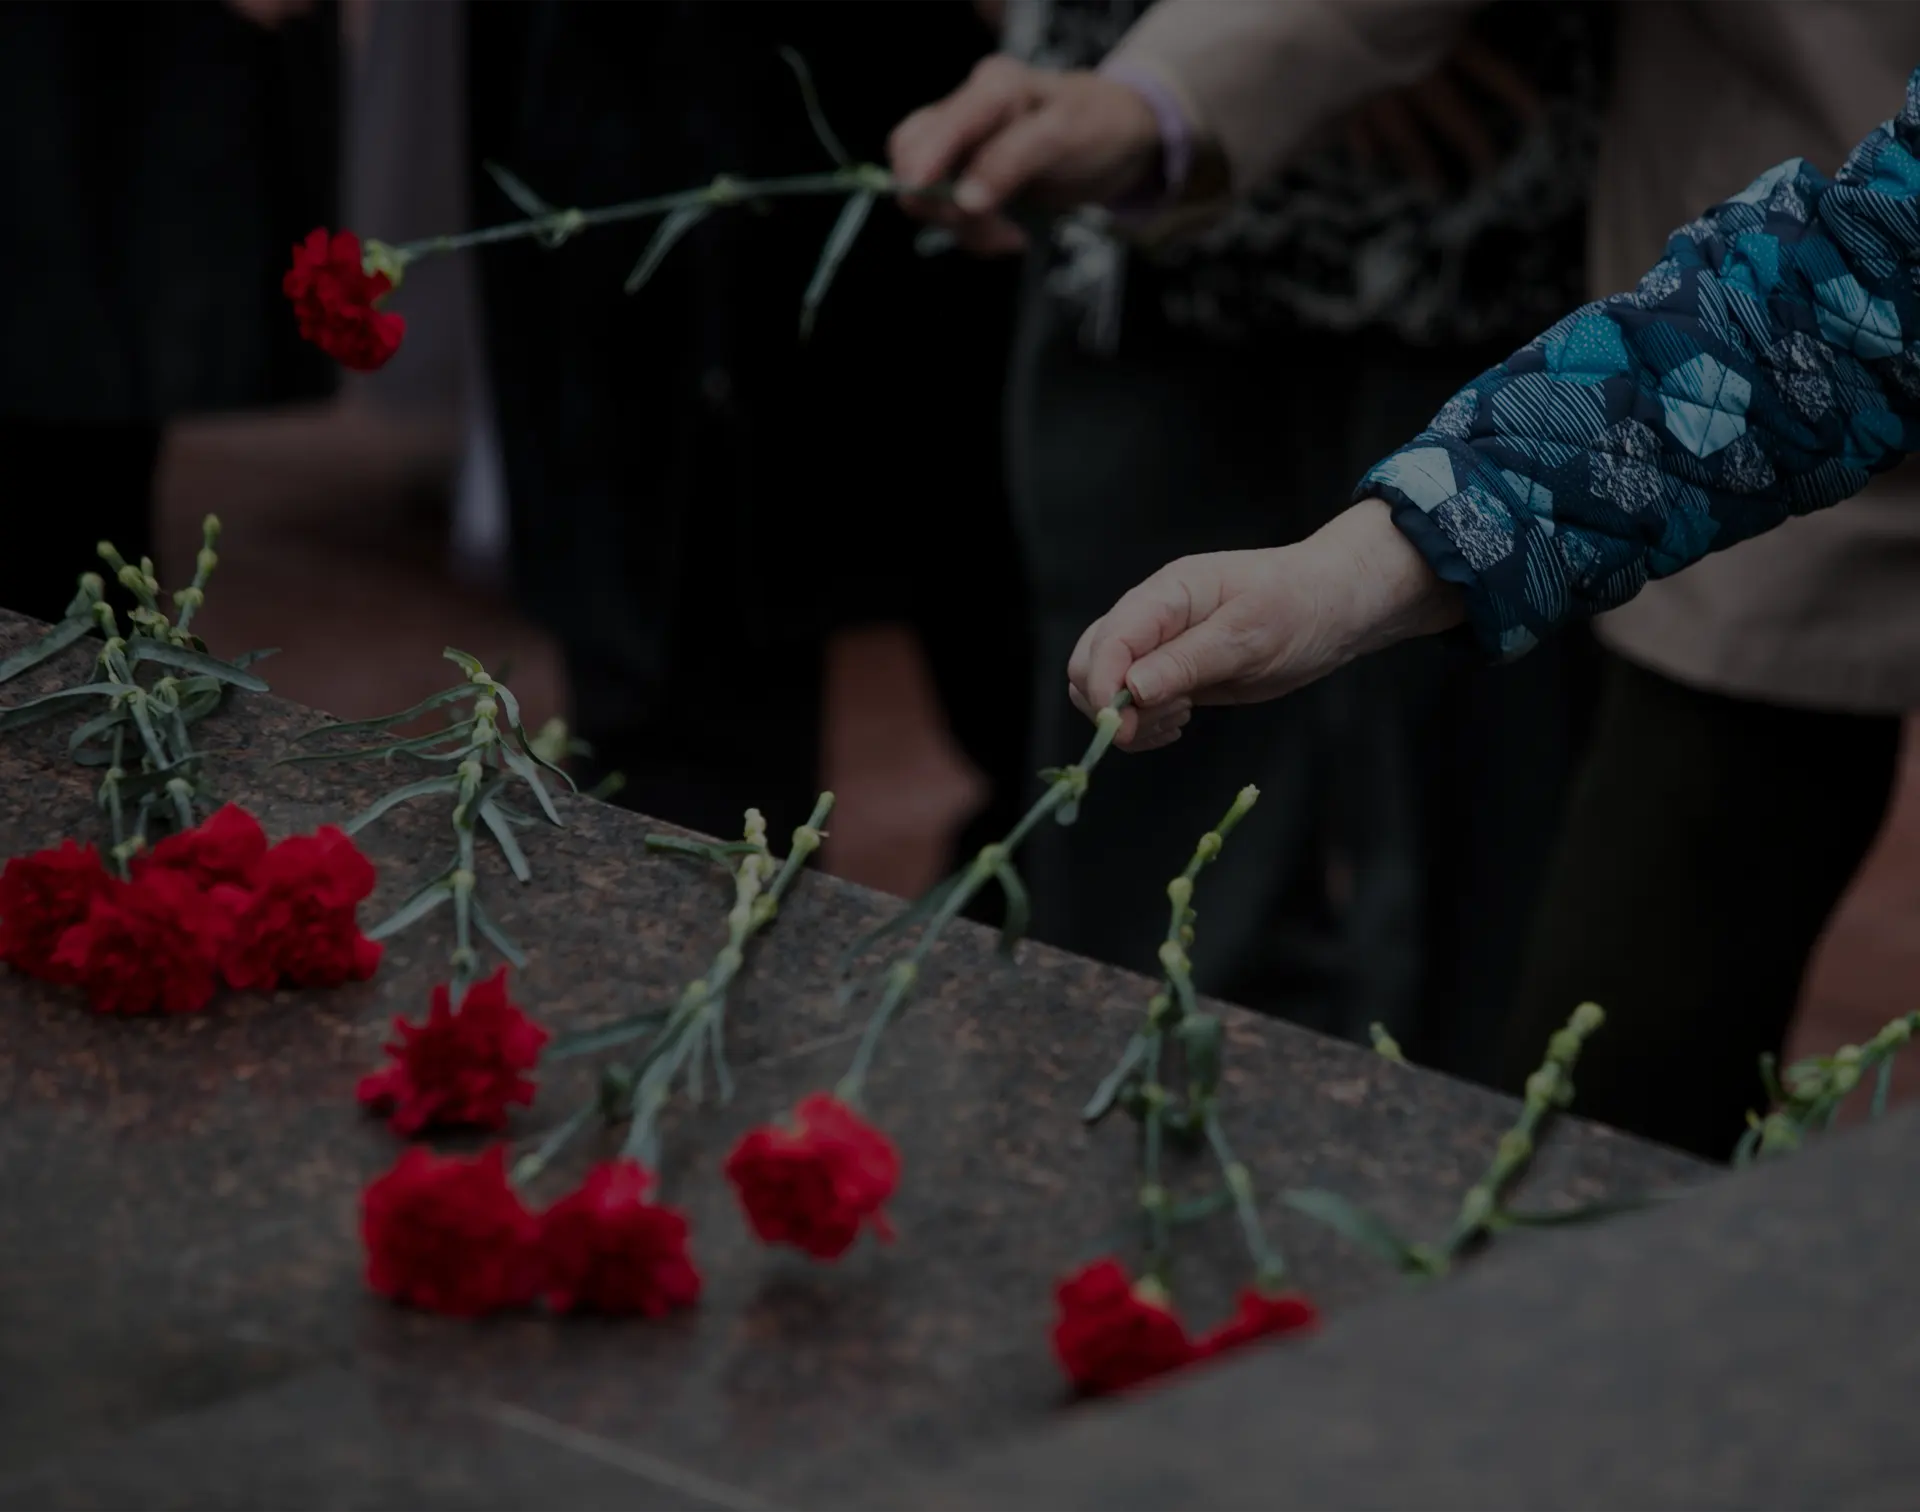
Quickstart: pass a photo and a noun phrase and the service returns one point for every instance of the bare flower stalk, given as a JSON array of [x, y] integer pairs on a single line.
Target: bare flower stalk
[[488, 747], [694, 1031], [1066, 787], [1816, 1088], [1136, 1081], [143, 738]]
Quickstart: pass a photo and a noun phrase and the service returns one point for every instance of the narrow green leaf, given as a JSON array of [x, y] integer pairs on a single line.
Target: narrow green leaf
[[1744, 1152], [405, 716], [52, 705], [532, 749], [1108, 1092], [608, 785], [665, 238], [1200, 1208], [929, 903], [397, 797], [839, 242], [66, 633], [815, 115], [1882, 1089], [509, 847], [411, 746], [1591, 1212], [143, 650], [515, 189], [413, 910], [1770, 1077], [466, 662], [716, 851], [498, 937], [518, 818], [1069, 811], [527, 772], [587, 1041], [100, 724], [1013, 928], [248, 658], [1355, 1224]]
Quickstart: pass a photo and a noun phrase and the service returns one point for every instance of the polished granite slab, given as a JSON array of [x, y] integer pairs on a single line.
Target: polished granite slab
[[1756, 1344], [182, 1319]]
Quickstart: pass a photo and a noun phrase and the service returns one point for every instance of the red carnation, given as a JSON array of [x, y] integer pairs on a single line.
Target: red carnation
[[42, 896], [335, 298], [449, 1235], [154, 943], [223, 850], [606, 1248], [1258, 1317], [458, 1068], [814, 1187], [1112, 1334], [297, 924]]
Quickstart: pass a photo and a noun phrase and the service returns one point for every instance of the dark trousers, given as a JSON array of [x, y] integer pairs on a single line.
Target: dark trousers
[[1405, 801], [1707, 842], [70, 485]]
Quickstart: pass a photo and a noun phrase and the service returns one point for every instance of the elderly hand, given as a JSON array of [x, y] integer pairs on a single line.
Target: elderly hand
[[1245, 626], [1056, 139]]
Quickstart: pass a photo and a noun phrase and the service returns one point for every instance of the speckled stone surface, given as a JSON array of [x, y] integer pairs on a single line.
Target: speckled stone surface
[[179, 1265], [1756, 1344]]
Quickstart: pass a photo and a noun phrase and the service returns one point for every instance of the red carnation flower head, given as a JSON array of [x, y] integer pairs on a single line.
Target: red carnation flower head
[[450, 1235], [42, 896], [151, 944], [607, 1249], [221, 851], [814, 1186], [464, 1068], [1112, 1333], [1260, 1316], [336, 297], [296, 923]]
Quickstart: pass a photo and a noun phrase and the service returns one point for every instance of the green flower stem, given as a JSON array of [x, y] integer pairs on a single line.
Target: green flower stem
[[1065, 789], [189, 599], [1269, 1270], [528, 1167], [1153, 1135], [696, 1025], [724, 191], [703, 1001], [1548, 1088], [1815, 1089]]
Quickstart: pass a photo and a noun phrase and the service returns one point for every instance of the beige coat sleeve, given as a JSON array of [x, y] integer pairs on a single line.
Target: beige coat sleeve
[[1258, 77]]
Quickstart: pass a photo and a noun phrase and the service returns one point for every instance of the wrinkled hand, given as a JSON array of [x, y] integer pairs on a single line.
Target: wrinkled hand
[[1239, 627], [1056, 139], [269, 13], [1403, 125]]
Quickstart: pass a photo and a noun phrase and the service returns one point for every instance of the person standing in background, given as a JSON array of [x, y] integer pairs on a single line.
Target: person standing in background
[[158, 163], [697, 497], [1393, 243], [1746, 745]]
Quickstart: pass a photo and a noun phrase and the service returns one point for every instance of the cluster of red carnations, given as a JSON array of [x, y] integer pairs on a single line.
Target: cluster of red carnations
[[452, 1234], [208, 905]]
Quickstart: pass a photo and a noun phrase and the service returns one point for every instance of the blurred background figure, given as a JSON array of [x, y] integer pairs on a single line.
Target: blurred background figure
[[159, 161], [697, 496], [344, 542], [1178, 393]]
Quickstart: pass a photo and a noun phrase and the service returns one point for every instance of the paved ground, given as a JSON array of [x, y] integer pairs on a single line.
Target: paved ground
[[335, 551]]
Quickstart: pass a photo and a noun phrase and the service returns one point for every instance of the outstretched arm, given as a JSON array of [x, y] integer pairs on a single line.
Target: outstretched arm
[[1769, 366]]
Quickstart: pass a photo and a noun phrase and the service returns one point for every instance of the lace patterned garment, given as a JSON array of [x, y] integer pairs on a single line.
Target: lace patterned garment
[[1339, 244], [1767, 367]]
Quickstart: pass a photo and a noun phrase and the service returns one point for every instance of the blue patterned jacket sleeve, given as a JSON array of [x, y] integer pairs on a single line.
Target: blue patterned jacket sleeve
[[1769, 366]]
